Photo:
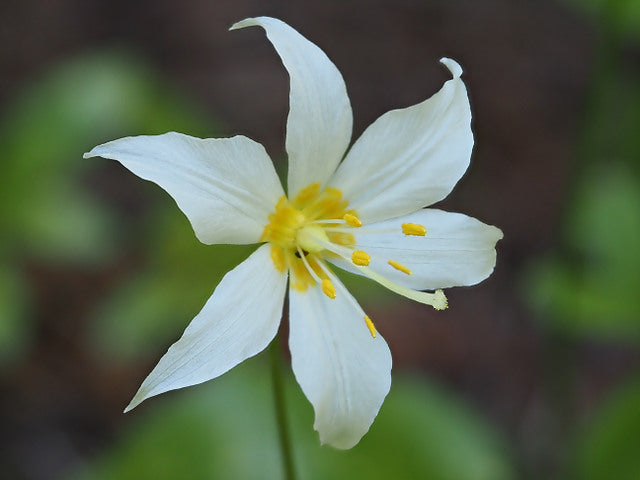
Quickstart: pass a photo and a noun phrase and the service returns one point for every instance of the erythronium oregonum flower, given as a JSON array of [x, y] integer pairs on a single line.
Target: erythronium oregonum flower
[[364, 214]]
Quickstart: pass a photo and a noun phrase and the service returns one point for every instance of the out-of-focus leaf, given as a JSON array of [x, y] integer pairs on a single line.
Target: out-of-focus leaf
[[14, 330], [66, 228], [595, 290], [225, 430], [44, 132], [608, 448]]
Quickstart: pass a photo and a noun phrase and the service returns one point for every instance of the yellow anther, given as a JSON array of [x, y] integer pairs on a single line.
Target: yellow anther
[[370, 326], [360, 258], [397, 266], [414, 229], [328, 288], [352, 220]]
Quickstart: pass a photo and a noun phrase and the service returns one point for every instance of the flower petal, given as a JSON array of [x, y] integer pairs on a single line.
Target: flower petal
[[410, 158], [320, 118], [344, 372], [457, 250], [237, 322], [226, 187]]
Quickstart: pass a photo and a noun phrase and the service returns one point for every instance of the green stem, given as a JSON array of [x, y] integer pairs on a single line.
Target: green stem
[[281, 414]]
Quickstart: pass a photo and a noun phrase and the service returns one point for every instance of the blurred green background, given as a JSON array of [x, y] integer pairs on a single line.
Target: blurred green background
[[533, 374]]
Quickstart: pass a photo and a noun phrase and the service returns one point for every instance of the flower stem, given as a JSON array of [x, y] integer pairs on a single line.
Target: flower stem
[[281, 414]]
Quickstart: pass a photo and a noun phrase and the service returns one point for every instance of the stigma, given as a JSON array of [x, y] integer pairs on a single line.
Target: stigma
[[311, 238]]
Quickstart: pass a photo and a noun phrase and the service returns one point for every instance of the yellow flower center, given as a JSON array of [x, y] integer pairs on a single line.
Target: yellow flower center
[[298, 233], [316, 225]]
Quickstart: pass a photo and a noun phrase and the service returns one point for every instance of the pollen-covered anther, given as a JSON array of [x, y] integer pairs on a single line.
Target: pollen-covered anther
[[328, 288], [360, 258], [352, 220], [399, 267], [440, 300], [414, 229], [370, 326]]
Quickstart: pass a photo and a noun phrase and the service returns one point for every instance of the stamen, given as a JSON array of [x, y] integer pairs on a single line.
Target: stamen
[[339, 229], [345, 294], [370, 326], [360, 258], [339, 250], [313, 274], [330, 221], [376, 231], [437, 300], [352, 220], [414, 229], [397, 266], [327, 272], [328, 288]]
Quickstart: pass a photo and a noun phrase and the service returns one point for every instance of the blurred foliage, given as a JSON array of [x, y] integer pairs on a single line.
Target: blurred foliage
[[14, 331], [225, 430], [594, 289], [608, 447], [44, 212], [43, 134], [588, 285]]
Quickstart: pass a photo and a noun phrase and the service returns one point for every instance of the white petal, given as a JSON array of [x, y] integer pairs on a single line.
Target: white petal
[[237, 322], [225, 186], [457, 250], [343, 371], [320, 119], [410, 158]]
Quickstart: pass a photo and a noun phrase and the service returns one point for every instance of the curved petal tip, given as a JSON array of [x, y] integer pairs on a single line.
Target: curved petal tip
[[247, 22], [453, 66], [253, 22]]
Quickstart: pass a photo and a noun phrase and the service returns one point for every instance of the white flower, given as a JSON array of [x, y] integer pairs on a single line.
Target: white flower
[[364, 215]]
